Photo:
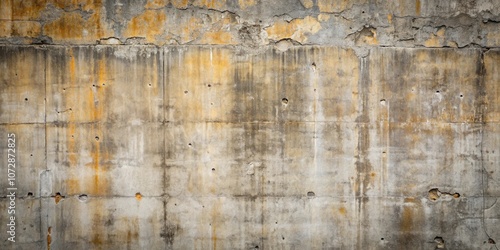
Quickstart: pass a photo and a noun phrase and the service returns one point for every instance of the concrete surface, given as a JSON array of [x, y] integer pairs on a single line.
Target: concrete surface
[[251, 124]]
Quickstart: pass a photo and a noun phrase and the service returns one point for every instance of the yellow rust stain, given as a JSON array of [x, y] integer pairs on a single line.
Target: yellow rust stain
[[247, 3], [297, 29], [72, 27], [49, 237], [307, 3], [182, 4], [149, 24], [211, 4], [73, 186], [216, 212], [417, 7], [138, 196], [26, 28], [6, 10], [217, 38], [58, 198], [334, 5], [323, 17], [153, 4], [389, 18], [436, 40], [407, 219], [27, 10], [342, 211]]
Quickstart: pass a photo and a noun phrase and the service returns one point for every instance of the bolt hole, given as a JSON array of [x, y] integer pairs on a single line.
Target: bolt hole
[[209, 85], [437, 91], [284, 101], [26, 99], [185, 92], [382, 101], [213, 169], [83, 197], [30, 194], [31, 154], [461, 96], [97, 138], [381, 238], [189, 144], [311, 194]]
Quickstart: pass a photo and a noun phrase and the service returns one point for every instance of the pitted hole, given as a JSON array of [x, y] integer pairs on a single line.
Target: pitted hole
[[175, 204], [72, 136], [30, 193], [284, 101], [64, 89], [149, 85], [434, 194], [363, 12], [461, 96], [256, 247], [96, 138], [382, 101], [282, 237], [211, 103], [213, 169], [276, 222], [209, 85], [104, 84], [381, 238], [83, 197], [26, 99], [314, 90], [189, 144], [456, 195], [31, 154], [58, 197], [491, 241], [311, 194], [440, 242], [437, 91], [185, 92], [93, 85]]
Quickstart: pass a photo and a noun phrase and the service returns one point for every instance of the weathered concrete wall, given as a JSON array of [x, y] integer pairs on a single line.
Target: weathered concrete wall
[[251, 124]]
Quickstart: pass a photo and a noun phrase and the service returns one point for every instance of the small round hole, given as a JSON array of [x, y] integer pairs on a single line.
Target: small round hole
[[26, 99], [30, 194], [96, 138], [284, 101], [209, 85], [437, 91], [461, 96], [185, 92], [213, 169]]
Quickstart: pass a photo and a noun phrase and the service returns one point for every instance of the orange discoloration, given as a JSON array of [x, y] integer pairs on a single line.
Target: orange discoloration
[[342, 211], [72, 27], [154, 4], [436, 40], [217, 37], [297, 29], [138, 196], [49, 237], [73, 186], [417, 7], [247, 3], [58, 198], [27, 10], [149, 24], [389, 18], [181, 4], [211, 4], [407, 219]]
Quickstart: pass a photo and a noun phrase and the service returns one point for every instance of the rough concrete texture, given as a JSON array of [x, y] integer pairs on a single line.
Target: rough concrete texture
[[294, 124]]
